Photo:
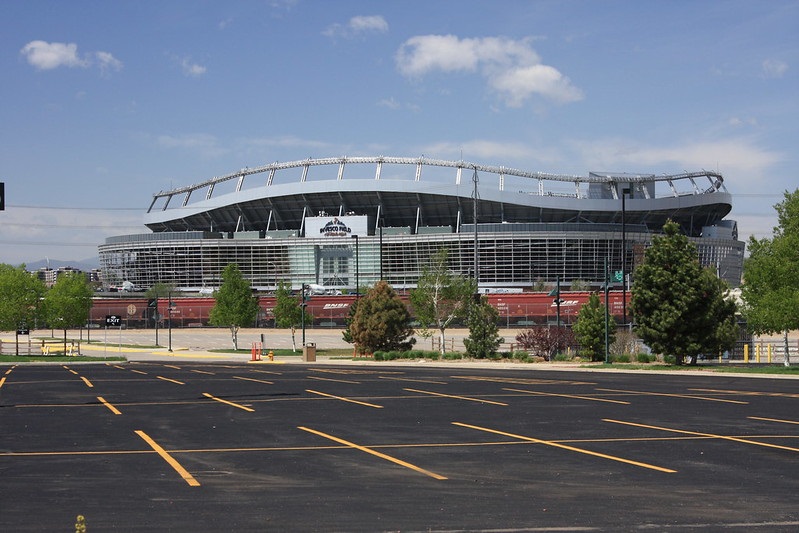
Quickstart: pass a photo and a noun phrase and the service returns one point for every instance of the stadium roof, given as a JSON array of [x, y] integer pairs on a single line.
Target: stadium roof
[[411, 192]]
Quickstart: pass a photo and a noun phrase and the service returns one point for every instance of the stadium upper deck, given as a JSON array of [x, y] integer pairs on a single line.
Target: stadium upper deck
[[292, 222], [414, 192]]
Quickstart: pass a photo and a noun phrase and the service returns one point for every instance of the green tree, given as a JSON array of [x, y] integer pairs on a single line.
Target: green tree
[[483, 340], [381, 321], [68, 302], [235, 304], [288, 311], [160, 290], [440, 295], [770, 290], [679, 307], [589, 330], [21, 293], [346, 335]]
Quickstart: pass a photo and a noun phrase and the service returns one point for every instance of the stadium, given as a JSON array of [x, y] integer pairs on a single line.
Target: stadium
[[341, 224]]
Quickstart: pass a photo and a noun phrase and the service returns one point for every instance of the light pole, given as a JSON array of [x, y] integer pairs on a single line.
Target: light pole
[[556, 293], [169, 317], [607, 313], [624, 192], [357, 268]]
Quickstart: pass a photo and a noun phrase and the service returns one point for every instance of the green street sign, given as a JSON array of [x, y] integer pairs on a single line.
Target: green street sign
[[618, 275]]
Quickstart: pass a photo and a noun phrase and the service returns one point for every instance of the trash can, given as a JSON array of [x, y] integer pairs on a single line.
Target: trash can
[[309, 352]]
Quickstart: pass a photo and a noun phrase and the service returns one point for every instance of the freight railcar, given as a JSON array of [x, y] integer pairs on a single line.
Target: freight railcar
[[515, 310]]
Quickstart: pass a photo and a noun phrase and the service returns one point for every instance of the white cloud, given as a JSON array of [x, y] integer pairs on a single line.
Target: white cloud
[[47, 56], [482, 150], [774, 68], [511, 67], [742, 156], [357, 26], [192, 69], [108, 62], [202, 143], [374, 23]]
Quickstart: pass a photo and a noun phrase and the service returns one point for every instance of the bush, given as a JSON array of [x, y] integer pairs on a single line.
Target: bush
[[644, 358], [408, 354], [621, 358]]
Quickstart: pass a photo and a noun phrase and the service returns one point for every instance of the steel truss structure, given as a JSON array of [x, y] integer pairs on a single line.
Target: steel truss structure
[[532, 228]]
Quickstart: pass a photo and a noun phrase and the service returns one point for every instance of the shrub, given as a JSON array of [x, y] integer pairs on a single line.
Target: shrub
[[644, 358]]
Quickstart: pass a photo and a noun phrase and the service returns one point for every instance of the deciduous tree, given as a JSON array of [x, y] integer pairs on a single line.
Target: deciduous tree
[[235, 304], [589, 330], [770, 290], [287, 311], [20, 295], [440, 295], [68, 302]]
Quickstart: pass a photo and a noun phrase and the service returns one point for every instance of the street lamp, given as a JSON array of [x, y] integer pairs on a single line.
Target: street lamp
[[169, 317], [556, 293], [357, 268], [607, 312], [624, 192]]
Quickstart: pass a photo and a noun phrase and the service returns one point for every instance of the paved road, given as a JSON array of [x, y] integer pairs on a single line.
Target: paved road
[[204, 446]]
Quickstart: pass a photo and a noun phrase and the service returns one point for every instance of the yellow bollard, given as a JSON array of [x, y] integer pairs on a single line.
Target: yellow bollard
[[757, 353], [769, 353], [746, 353]]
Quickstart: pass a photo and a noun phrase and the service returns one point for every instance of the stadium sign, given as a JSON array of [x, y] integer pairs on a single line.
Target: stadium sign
[[343, 226]]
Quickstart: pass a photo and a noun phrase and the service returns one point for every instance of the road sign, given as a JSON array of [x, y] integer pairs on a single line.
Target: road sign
[[113, 320], [618, 276]]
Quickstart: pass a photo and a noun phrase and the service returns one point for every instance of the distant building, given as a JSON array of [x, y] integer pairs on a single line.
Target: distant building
[[49, 276], [342, 222]]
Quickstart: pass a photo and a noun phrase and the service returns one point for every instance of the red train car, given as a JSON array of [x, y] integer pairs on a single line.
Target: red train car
[[515, 310]]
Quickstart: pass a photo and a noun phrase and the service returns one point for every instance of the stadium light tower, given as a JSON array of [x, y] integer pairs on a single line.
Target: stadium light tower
[[624, 192], [357, 268]]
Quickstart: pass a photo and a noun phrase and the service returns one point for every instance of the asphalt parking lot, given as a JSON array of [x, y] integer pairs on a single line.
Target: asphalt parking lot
[[232, 446]]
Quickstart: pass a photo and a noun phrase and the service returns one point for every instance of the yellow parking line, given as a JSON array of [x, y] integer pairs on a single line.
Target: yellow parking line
[[698, 434], [168, 458], [87, 382], [266, 372], [415, 380], [245, 408], [773, 420], [750, 393], [111, 407], [456, 397], [2, 380], [256, 380], [570, 448], [344, 399], [568, 396], [689, 396], [203, 372], [138, 371], [172, 366], [172, 380], [375, 453], [335, 380]]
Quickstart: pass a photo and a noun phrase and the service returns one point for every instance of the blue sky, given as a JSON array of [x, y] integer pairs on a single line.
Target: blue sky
[[107, 102]]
